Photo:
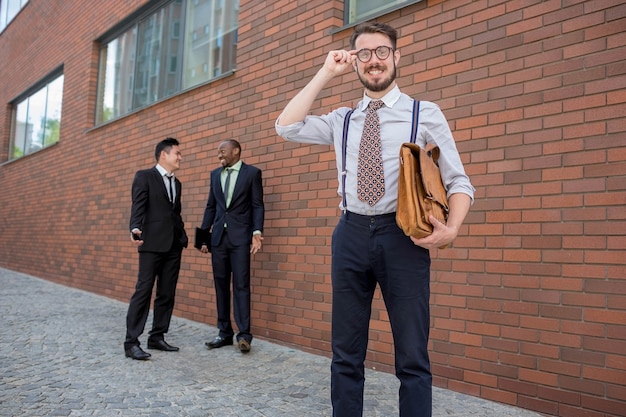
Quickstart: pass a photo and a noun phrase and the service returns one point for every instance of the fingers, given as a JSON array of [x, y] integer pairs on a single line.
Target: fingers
[[256, 244], [441, 236], [136, 238], [343, 56], [338, 61]]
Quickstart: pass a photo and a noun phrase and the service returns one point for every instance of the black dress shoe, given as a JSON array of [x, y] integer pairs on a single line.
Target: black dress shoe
[[219, 341], [162, 345], [137, 353]]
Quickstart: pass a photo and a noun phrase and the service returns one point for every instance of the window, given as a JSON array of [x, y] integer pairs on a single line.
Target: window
[[178, 45], [360, 10], [8, 10], [37, 119]]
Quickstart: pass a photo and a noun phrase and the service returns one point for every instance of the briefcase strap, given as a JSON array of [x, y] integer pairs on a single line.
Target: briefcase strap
[[344, 146]]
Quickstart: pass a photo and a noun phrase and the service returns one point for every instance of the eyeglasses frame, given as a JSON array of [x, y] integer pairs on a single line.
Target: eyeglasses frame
[[373, 51]]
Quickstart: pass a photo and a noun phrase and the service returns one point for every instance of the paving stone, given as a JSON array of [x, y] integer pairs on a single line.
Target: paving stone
[[61, 354]]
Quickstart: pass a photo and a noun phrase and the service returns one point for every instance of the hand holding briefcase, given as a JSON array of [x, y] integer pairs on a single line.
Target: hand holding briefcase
[[421, 192]]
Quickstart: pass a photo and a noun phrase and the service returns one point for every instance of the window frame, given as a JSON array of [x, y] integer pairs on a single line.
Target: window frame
[[4, 12], [371, 15], [36, 89], [134, 22]]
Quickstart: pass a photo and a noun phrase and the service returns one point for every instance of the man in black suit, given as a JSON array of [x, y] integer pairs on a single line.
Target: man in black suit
[[235, 214], [158, 230]]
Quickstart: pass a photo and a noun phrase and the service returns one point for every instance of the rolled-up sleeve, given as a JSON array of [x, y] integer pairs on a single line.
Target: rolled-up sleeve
[[437, 131], [320, 130]]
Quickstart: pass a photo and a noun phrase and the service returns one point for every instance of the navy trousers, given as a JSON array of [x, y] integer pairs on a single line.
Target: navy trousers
[[367, 251], [231, 260]]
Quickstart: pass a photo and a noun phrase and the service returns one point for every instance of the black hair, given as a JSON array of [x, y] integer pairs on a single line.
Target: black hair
[[165, 145], [234, 143]]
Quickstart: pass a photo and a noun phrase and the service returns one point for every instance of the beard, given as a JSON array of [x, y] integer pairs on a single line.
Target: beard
[[381, 85]]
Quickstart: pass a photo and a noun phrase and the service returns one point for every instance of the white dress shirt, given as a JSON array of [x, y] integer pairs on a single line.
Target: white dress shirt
[[166, 180]]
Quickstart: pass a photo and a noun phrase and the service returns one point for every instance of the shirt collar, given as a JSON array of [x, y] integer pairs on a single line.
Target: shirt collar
[[235, 167], [162, 170], [389, 99]]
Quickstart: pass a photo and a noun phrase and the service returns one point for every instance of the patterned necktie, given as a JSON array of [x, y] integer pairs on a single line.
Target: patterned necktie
[[370, 175]]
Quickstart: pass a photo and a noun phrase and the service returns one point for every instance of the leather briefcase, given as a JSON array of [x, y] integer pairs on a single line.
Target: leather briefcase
[[420, 191]]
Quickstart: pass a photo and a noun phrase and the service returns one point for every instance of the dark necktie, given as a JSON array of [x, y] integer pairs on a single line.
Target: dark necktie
[[227, 185], [171, 189], [370, 174]]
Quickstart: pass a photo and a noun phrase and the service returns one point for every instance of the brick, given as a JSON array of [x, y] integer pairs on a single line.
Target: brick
[[581, 385], [534, 92], [616, 392], [538, 377], [578, 356], [520, 361], [542, 406], [604, 316], [559, 367], [539, 350], [616, 302], [517, 386], [540, 323], [611, 407], [499, 396], [602, 374], [601, 344], [584, 299], [480, 378]]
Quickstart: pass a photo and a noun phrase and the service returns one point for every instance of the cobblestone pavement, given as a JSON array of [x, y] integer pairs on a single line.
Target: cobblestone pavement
[[61, 354]]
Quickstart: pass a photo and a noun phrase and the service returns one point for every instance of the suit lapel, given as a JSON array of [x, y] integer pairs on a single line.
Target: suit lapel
[[240, 177], [216, 184]]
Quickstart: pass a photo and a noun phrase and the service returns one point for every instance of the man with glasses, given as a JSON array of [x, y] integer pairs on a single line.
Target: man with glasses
[[368, 248]]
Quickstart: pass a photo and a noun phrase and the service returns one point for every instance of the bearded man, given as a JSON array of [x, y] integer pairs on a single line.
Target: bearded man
[[368, 248]]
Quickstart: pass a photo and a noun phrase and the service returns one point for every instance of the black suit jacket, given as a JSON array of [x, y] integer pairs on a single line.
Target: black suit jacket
[[152, 212], [246, 212]]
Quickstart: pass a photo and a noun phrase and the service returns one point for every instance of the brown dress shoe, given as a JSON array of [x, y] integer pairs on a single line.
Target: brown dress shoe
[[243, 345]]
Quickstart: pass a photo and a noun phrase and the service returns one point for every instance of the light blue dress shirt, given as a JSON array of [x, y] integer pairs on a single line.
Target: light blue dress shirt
[[395, 129]]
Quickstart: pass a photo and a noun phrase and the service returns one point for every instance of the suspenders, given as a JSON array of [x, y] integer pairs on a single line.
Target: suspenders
[[416, 119], [344, 145], [344, 150]]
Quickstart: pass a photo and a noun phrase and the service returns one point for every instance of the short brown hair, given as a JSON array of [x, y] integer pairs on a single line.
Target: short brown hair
[[374, 27]]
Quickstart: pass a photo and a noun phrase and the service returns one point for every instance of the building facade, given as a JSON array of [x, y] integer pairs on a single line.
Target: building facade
[[528, 305]]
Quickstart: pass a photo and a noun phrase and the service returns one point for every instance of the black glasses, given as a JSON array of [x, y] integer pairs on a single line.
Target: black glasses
[[382, 52]]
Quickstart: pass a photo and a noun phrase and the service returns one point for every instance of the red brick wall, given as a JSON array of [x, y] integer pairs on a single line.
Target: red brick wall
[[528, 306]]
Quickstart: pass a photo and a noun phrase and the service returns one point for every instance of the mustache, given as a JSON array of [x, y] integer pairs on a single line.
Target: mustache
[[375, 67]]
